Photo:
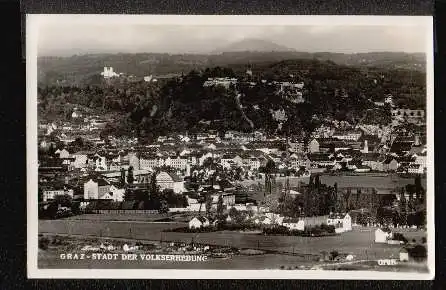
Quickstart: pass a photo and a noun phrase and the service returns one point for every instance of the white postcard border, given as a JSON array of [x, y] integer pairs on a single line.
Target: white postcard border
[[33, 21]]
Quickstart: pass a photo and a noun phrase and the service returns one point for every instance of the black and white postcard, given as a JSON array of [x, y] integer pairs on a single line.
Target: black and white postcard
[[230, 147]]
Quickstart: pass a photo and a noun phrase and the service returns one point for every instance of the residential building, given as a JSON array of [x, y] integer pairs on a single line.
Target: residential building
[[100, 162], [415, 169], [294, 224], [199, 222], [296, 147], [382, 235], [252, 163], [115, 194], [224, 82], [313, 146], [64, 153], [229, 160], [352, 135], [341, 222], [412, 116], [51, 192], [177, 163], [404, 255], [373, 160], [80, 159], [149, 162], [362, 168], [228, 199], [68, 162], [320, 160], [96, 188], [169, 180]]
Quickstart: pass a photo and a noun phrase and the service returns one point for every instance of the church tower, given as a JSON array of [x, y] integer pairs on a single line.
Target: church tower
[[366, 147]]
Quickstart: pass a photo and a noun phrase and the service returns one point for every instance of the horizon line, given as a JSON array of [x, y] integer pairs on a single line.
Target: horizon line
[[228, 52]]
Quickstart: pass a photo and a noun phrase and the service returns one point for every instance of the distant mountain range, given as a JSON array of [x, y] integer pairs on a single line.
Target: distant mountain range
[[253, 45]]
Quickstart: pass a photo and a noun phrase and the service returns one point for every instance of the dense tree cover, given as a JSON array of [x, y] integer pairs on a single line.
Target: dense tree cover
[[79, 69], [183, 104], [316, 199], [52, 210]]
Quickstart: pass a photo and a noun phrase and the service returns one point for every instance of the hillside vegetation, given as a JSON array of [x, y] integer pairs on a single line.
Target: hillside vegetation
[[182, 104], [79, 69]]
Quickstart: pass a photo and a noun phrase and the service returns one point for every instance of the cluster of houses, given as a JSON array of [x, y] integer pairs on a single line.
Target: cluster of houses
[[333, 146], [342, 222], [222, 81], [183, 156], [291, 91]]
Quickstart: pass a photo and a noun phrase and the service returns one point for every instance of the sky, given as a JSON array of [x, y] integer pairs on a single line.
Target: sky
[[65, 39]]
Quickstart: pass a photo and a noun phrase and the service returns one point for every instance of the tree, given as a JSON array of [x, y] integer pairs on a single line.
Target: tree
[[63, 200], [317, 181], [269, 169], [164, 207], [233, 212], [122, 178], [153, 187], [272, 202], [220, 207], [347, 195], [208, 204], [311, 182], [419, 191], [130, 177]]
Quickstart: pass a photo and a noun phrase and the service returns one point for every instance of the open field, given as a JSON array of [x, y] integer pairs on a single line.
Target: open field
[[183, 217], [359, 242]]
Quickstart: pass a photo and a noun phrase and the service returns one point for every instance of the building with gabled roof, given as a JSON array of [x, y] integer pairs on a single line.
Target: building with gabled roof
[[96, 188], [169, 180], [341, 221], [199, 222]]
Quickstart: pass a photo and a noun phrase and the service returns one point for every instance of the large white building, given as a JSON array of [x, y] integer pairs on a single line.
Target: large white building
[[50, 194], [96, 189], [177, 163], [348, 135], [108, 73]]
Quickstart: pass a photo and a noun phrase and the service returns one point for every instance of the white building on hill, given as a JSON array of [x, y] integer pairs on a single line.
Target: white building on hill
[[108, 73]]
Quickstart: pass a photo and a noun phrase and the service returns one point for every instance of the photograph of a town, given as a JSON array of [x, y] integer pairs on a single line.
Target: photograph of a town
[[233, 147]]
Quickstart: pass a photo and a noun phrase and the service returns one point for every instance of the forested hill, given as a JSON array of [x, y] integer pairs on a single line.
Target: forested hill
[[184, 104], [80, 69]]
